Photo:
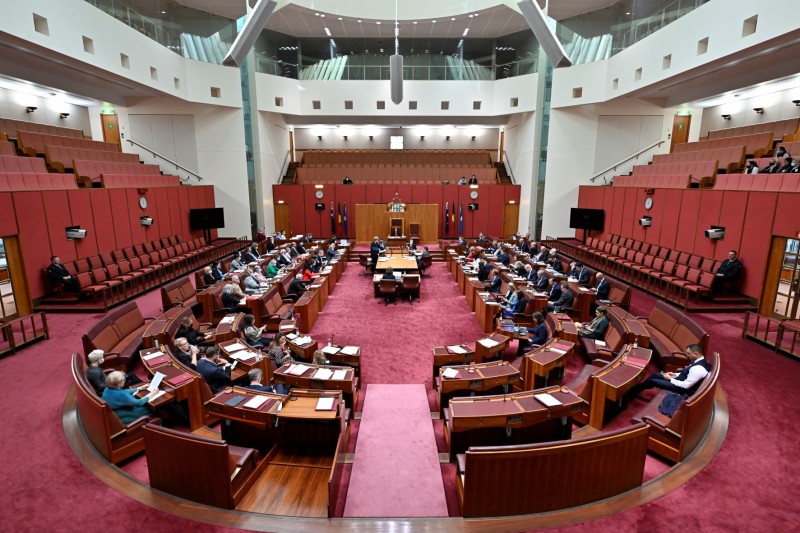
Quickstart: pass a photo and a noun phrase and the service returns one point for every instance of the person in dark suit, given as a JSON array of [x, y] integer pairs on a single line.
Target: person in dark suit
[[215, 370], [543, 256], [347, 181], [787, 165], [564, 300], [208, 277], [728, 272], [555, 290], [602, 288], [187, 331], [411, 246], [270, 245], [573, 271], [555, 263], [584, 275], [421, 258], [185, 352], [596, 329], [539, 332], [524, 246], [388, 274], [300, 248], [58, 275], [483, 270], [530, 273], [251, 254], [96, 376], [255, 376], [216, 271], [684, 382], [503, 257], [232, 294], [771, 168], [374, 252], [296, 287], [542, 282], [496, 284], [482, 238], [473, 180]]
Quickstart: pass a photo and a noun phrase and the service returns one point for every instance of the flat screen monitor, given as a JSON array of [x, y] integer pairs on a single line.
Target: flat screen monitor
[[211, 218], [589, 219]]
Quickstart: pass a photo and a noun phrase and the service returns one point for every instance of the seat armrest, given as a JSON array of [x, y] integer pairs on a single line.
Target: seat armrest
[[611, 354], [600, 362], [660, 426], [141, 421], [287, 300]]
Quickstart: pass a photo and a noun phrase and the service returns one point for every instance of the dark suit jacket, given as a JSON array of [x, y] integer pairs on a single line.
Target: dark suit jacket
[[249, 257], [262, 388], [56, 273], [497, 282], [539, 335], [504, 258], [730, 269], [541, 283], [217, 376], [217, 273], [386, 275], [296, 287], [555, 293], [599, 328], [565, 300], [603, 290], [585, 276]]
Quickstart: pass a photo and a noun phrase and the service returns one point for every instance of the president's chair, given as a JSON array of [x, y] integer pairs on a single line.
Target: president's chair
[[387, 289], [199, 469]]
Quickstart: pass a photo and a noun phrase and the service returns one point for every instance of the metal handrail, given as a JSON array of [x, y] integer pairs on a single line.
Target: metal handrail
[[284, 166], [507, 164], [168, 160], [623, 161]]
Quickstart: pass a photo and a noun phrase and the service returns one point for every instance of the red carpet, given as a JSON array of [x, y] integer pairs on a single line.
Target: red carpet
[[396, 470]]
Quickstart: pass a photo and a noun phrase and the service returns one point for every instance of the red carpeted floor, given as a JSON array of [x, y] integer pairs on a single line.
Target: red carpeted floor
[[751, 485]]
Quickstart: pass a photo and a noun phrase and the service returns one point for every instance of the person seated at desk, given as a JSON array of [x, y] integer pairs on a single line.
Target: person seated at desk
[[308, 271], [584, 276], [539, 332], [411, 246], [216, 271], [496, 283], [272, 268], [59, 276], [277, 351], [300, 248], [187, 331], [252, 334], [319, 358], [473, 180], [284, 257], [684, 382], [533, 249], [251, 286], [524, 246], [462, 242], [420, 259], [215, 370], [208, 277], [564, 299], [519, 269], [541, 282], [185, 353], [123, 402], [389, 274], [321, 261], [483, 270], [255, 376], [462, 181], [347, 181], [237, 263], [270, 244], [503, 256], [529, 274], [511, 294], [472, 254], [493, 248], [752, 167], [296, 287], [258, 274], [602, 288], [543, 256], [728, 272], [516, 304], [331, 253], [771, 168], [482, 238], [308, 238], [97, 377], [232, 294], [251, 255], [596, 329]]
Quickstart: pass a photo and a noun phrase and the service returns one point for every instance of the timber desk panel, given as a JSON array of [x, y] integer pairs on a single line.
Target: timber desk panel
[[558, 474], [471, 379], [373, 219]]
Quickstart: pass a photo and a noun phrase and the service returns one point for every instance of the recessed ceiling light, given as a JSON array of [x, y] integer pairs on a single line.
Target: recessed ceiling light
[[163, 12], [414, 22], [434, 21], [316, 14], [340, 18], [628, 13], [471, 16], [452, 18], [378, 22], [359, 20]]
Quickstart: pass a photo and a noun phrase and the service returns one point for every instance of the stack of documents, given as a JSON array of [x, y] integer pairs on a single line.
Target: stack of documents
[[488, 343], [350, 350], [547, 399], [297, 370]]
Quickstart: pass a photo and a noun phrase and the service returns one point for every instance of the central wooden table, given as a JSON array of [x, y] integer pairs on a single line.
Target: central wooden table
[[397, 262]]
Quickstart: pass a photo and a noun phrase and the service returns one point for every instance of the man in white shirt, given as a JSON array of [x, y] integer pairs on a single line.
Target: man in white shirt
[[683, 382]]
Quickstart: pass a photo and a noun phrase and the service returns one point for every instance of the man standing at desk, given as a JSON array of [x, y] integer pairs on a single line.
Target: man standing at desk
[[374, 252], [215, 370]]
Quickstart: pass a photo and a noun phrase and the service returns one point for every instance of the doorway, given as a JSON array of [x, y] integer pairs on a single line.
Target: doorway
[[784, 279], [111, 129], [282, 218], [14, 294], [510, 220], [680, 130]]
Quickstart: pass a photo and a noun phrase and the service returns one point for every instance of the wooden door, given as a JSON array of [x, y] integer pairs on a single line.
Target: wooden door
[[111, 129], [680, 129], [19, 278], [510, 220], [282, 218]]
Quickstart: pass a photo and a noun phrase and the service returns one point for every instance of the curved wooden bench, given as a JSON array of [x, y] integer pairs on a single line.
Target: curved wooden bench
[[179, 292], [676, 437], [671, 332], [556, 474], [118, 334]]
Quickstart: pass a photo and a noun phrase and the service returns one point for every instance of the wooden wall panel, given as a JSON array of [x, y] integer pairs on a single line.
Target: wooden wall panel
[[788, 223], [669, 232], [658, 214], [756, 238], [183, 201], [419, 194], [103, 219], [162, 224], [8, 222], [81, 210], [373, 219], [405, 193], [628, 209], [56, 207], [174, 214], [494, 211], [687, 221], [373, 194], [709, 215], [123, 219], [618, 210], [436, 196], [137, 230], [637, 230], [732, 213], [313, 219], [33, 234]]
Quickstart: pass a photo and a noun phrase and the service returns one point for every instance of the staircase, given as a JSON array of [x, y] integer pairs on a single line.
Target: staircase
[[502, 174], [291, 173]]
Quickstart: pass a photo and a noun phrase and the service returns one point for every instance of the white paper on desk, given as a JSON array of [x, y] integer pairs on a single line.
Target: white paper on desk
[[537, 293], [547, 399], [227, 320], [339, 375], [327, 270], [158, 395], [562, 352], [323, 373], [302, 341], [243, 301], [324, 404], [297, 370], [153, 355], [350, 350], [380, 260], [291, 336], [330, 350], [483, 294], [456, 349], [156, 381], [599, 342], [451, 250], [450, 373], [287, 327], [584, 289], [488, 343], [235, 347], [255, 402]]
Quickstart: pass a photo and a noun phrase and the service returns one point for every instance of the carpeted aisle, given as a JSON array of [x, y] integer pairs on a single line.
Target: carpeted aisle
[[396, 470]]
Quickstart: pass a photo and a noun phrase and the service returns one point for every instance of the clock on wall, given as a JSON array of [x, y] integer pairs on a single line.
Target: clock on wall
[[319, 194], [473, 194], [143, 202], [648, 203]]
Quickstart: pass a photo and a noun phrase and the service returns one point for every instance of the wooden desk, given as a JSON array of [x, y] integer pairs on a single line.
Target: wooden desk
[[248, 360], [302, 405], [321, 286], [306, 308], [376, 281], [508, 419], [541, 362], [481, 377], [304, 352], [565, 327], [228, 327], [614, 380], [443, 355], [486, 308], [188, 390], [484, 353], [473, 287], [398, 262], [262, 417], [308, 380], [340, 358]]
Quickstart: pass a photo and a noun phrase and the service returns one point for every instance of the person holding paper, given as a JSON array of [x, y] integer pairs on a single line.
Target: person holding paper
[[255, 376], [596, 329], [215, 370], [185, 352], [123, 402], [277, 350], [97, 377]]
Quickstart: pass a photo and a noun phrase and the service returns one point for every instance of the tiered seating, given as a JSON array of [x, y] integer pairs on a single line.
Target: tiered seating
[[681, 181], [10, 127], [670, 333], [33, 144], [7, 148], [756, 144], [396, 157], [779, 128], [18, 181], [673, 275], [90, 171], [26, 165], [792, 147], [729, 158], [758, 182], [701, 172], [117, 181], [60, 158]]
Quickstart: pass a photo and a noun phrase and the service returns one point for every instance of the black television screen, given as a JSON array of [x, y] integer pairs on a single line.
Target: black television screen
[[211, 218], [591, 219]]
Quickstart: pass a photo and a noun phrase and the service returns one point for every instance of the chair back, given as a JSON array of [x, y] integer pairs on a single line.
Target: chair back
[[387, 287]]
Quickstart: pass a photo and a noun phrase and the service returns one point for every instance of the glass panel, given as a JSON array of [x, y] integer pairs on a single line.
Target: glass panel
[[787, 298], [8, 306]]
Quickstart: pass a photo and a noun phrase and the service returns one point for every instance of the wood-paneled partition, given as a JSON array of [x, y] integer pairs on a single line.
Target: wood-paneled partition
[[110, 216], [373, 219], [680, 217]]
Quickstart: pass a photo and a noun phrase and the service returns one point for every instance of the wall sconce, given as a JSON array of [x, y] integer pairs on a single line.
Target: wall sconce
[[345, 137], [64, 115], [473, 137], [31, 109], [796, 102], [726, 117], [447, 138], [421, 137], [370, 137], [319, 137], [759, 110]]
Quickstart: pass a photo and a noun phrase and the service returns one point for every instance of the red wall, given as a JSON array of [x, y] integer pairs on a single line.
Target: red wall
[[680, 216], [487, 219], [111, 217]]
